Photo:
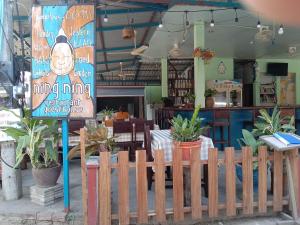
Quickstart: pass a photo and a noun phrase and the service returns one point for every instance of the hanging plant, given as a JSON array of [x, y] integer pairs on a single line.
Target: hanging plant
[[205, 54]]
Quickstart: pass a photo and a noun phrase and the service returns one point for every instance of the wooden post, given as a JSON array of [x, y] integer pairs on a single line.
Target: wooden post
[[104, 194], [141, 187], [213, 197], [83, 176], [278, 178], [177, 184], [230, 182], [247, 164], [262, 179], [196, 187], [92, 169], [160, 192], [123, 183]]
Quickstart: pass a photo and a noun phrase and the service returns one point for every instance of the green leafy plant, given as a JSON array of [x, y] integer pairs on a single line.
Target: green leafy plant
[[190, 97], [270, 124], [210, 93], [36, 138], [107, 112], [248, 139], [97, 140], [184, 130]]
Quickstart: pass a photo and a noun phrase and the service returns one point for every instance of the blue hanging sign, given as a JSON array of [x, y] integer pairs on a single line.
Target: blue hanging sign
[[63, 71]]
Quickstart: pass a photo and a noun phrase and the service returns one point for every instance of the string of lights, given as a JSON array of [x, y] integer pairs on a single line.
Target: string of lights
[[186, 12]]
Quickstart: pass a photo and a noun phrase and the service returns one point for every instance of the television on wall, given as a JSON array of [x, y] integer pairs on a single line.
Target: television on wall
[[277, 69]]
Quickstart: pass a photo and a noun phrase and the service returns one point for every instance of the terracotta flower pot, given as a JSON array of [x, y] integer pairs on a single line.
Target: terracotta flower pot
[[186, 148], [46, 177], [209, 102]]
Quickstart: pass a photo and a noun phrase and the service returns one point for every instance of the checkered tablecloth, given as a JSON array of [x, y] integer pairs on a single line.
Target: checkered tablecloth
[[161, 139]]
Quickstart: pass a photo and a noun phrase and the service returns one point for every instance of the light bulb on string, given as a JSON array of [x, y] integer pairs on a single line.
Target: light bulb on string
[[236, 16], [187, 23], [160, 25], [212, 22], [280, 30], [105, 18], [258, 24]]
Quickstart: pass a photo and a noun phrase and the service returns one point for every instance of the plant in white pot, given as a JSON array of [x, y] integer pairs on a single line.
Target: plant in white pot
[[105, 114], [38, 139], [186, 133]]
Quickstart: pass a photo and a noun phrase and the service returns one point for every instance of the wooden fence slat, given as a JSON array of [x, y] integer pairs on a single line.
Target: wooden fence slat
[[160, 183], [104, 196], [230, 182], [196, 184], [141, 187], [292, 163], [247, 166], [83, 175], [213, 197], [262, 179], [177, 184], [123, 187], [278, 179]]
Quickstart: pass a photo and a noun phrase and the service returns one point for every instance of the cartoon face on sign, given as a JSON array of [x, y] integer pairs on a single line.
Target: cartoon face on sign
[[61, 55]]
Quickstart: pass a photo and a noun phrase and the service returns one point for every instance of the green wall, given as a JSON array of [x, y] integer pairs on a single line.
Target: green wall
[[152, 94], [293, 67], [211, 69]]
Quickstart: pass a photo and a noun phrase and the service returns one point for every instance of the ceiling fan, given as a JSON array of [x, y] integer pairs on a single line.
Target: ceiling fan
[[176, 51], [123, 74], [135, 51]]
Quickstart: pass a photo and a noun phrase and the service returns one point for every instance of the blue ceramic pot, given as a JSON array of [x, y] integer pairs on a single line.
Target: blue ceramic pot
[[239, 174]]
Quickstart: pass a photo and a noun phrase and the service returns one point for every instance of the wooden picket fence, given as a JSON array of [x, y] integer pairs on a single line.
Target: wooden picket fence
[[97, 179]]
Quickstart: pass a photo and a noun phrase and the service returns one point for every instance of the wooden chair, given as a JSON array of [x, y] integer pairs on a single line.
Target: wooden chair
[[121, 127], [138, 126], [221, 121], [149, 157]]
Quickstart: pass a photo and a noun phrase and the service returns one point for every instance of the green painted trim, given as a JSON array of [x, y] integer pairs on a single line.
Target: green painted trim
[[121, 27], [164, 77]]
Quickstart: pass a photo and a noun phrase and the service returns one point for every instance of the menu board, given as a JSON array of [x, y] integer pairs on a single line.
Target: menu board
[[63, 71]]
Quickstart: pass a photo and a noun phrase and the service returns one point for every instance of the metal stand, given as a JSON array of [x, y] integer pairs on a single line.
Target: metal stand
[[65, 142]]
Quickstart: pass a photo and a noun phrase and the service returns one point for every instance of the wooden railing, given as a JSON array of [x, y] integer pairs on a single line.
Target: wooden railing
[[97, 186]]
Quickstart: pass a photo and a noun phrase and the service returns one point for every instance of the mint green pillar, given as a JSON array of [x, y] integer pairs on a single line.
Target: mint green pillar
[[199, 70], [164, 77], [256, 87], [297, 88]]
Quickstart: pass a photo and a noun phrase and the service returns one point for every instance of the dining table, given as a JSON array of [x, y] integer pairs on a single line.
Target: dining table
[[162, 140]]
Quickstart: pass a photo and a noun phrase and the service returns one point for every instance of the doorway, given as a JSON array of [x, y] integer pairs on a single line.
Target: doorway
[[244, 70]]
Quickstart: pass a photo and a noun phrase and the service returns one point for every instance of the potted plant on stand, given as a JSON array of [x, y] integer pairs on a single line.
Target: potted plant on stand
[[209, 97], [186, 133], [265, 125], [105, 114], [38, 140], [186, 136]]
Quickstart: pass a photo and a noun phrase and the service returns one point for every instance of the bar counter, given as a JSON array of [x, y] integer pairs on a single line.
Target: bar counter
[[240, 118]]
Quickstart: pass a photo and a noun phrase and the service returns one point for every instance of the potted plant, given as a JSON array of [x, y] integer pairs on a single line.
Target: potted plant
[[190, 99], [209, 97], [167, 102], [97, 140], [265, 125], [37, 139], [105, 114], [186, 133], [248, 139]]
